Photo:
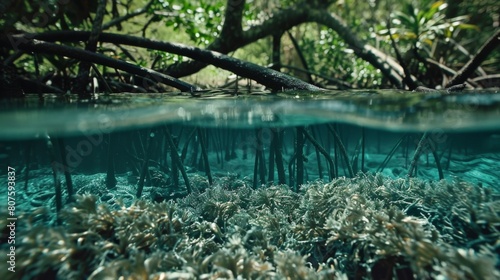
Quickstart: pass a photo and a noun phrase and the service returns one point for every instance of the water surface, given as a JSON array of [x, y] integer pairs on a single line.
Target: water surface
[[384, 110]]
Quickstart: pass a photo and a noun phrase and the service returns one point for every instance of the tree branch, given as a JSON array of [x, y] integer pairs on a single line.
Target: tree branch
[[33, 45], [267, 77], [407, 77], [469, 68], [118, 20], [231, 28], [82, 78], [281, 20], [301, 55], [286, 19], [386, 64]]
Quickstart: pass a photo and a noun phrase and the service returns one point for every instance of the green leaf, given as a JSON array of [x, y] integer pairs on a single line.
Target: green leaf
[[468, 26]]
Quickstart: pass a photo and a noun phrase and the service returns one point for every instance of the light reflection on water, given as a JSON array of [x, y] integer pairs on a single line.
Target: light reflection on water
[[386, 110]]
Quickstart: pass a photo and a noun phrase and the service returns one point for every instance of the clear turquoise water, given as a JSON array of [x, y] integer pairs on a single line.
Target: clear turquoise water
[[383, 110], [235, 141], [464, 129]]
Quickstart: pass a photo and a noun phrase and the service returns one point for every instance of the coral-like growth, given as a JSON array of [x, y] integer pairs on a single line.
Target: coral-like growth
[[367, 227], [405, 228]]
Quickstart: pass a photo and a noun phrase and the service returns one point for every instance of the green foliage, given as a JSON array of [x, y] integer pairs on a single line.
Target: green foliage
[[446, 32], [423, 26], [333, 58], [425, 33], [201, 20]]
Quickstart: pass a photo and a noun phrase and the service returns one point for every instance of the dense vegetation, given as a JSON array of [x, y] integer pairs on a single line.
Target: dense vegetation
[[159, 213], [331, 44]]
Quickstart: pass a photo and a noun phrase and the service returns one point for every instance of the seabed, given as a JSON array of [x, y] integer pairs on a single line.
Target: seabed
[[177, 201], [366, 227]]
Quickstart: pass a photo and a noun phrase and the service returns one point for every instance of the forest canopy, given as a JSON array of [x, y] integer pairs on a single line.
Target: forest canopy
[[81, 46]]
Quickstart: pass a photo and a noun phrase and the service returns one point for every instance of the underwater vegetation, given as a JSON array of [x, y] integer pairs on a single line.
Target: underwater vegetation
[[366, 227]]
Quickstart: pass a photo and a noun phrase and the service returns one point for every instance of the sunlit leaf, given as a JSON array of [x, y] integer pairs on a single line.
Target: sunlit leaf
[[468, 26], [396, 21], [428, 41]]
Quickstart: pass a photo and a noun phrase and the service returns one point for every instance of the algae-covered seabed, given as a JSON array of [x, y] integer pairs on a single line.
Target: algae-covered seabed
[[376, 225]]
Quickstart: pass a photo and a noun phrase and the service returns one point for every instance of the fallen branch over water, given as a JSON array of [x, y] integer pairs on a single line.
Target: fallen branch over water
[[267, 77]]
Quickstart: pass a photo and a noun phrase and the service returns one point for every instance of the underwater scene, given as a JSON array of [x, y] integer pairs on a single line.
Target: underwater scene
[[293, 185]]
